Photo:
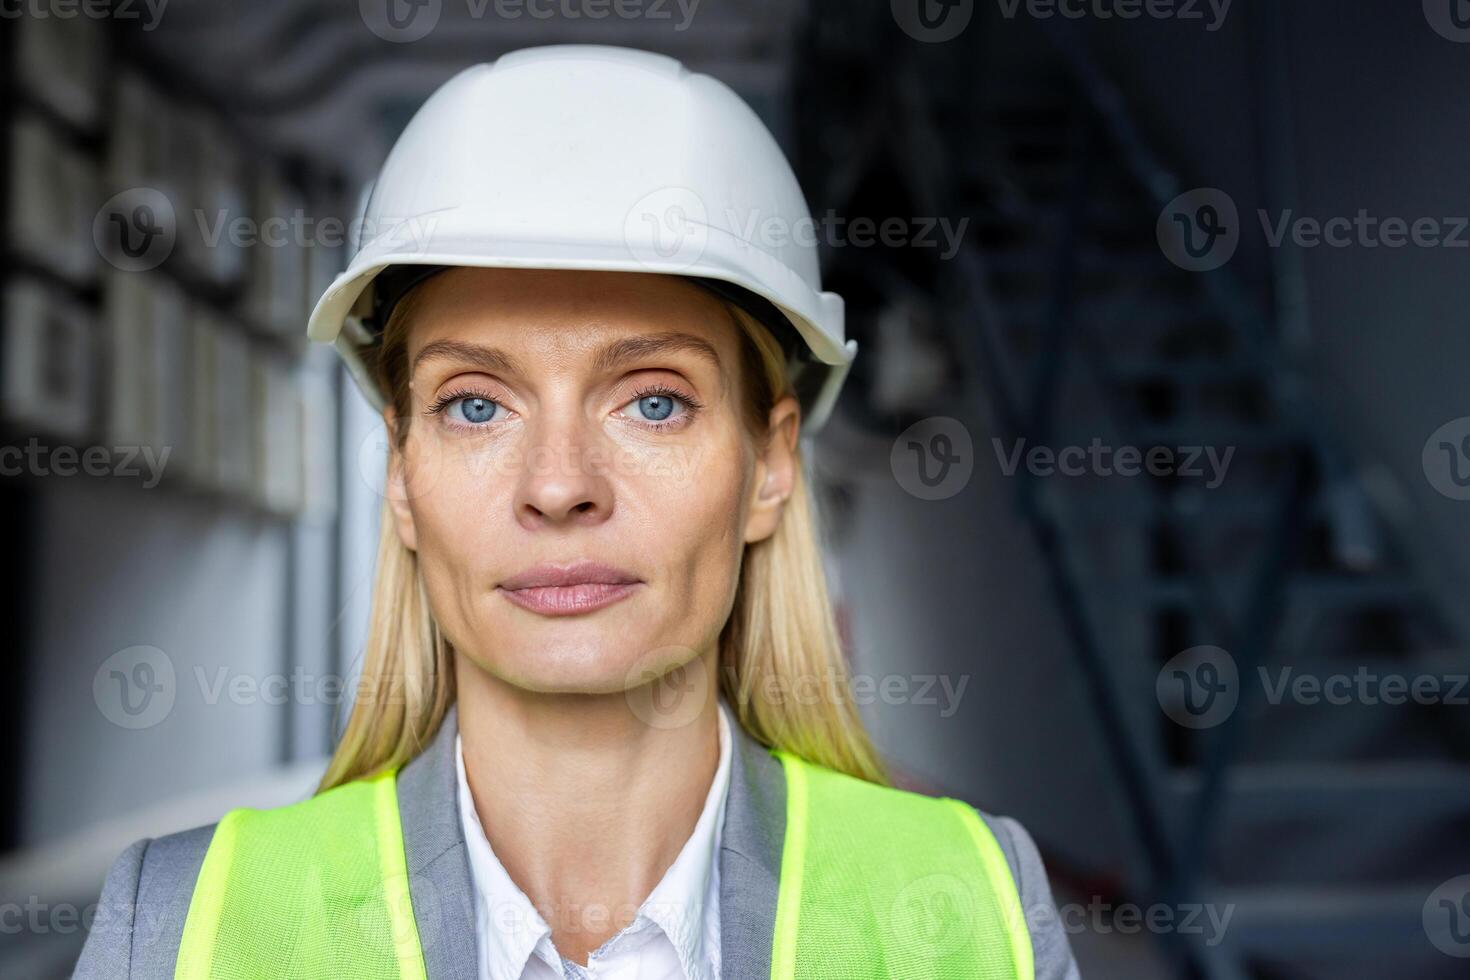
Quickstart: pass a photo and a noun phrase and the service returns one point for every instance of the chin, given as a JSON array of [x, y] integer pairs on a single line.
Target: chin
[[601, 664]]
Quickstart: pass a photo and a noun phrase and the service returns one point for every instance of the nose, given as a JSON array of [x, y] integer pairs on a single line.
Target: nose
[[563, 480]]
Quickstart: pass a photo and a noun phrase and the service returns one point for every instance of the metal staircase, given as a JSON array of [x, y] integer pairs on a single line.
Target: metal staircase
[[1324, 827]]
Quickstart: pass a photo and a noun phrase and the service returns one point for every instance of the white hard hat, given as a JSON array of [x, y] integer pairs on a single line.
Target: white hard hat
[[581, 156]]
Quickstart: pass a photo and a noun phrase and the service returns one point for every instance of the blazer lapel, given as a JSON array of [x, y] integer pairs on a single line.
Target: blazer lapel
[[750, 857], [438, 865], [443, 894]]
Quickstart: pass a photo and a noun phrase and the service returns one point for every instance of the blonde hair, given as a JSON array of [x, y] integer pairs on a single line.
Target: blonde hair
[[781, 634]]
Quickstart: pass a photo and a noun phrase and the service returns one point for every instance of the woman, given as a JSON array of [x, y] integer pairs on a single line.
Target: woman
[[604, 726]]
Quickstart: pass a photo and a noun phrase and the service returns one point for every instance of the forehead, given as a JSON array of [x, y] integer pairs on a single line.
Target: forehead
[[561, 316]]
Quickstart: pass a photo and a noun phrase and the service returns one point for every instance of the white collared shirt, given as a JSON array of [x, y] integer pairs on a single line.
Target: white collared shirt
[[675, 936]]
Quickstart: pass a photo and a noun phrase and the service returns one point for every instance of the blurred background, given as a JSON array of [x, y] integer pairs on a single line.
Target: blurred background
[[1146, 499]]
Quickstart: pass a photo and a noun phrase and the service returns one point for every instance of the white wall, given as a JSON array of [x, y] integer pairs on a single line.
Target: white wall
[[120, 566]]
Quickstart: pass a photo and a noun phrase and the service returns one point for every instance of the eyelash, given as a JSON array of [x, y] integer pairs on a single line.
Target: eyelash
[[692, 405], [450, 397]]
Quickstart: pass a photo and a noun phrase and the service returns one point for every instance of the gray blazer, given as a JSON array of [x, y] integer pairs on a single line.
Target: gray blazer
[[140, 916]]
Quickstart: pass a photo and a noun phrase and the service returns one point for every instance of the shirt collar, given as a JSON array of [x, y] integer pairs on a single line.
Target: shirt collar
[[684, 904]]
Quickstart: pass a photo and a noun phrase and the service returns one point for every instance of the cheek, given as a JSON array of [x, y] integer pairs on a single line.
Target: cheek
[[459, 503], [688, 510]]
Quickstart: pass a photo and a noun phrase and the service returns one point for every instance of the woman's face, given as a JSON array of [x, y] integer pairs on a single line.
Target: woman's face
[[576, 478]]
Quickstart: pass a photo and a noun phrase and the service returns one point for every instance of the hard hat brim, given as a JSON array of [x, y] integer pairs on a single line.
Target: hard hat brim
[[816, 316]]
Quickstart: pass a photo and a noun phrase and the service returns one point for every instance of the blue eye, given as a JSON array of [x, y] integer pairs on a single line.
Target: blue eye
[[656, 408], [661, 407], [475, 411]]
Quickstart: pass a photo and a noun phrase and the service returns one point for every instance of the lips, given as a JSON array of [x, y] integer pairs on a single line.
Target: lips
[[563, 590], [577, 573]]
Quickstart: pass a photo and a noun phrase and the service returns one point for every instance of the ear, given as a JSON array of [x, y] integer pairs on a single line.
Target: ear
[[775, 471], [396, 485]]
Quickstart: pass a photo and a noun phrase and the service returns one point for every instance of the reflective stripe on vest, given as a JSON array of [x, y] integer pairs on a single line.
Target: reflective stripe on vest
[[875, 883]]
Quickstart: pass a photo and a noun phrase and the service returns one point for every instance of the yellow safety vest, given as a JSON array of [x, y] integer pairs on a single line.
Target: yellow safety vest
[[875, 883]]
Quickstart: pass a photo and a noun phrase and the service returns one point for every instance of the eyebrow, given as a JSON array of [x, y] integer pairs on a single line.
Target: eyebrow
[[619, 352], [608, 358], [488, 359]]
